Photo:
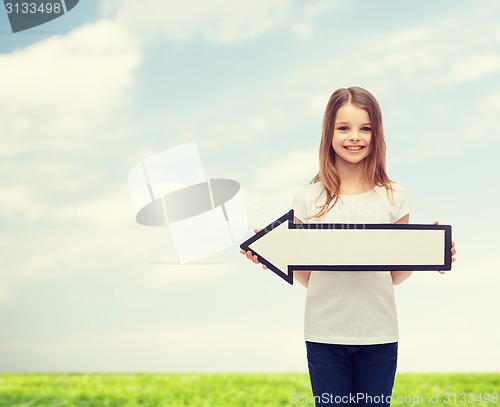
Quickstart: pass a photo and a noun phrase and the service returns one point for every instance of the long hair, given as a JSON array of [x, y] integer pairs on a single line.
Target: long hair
[[374, 164]]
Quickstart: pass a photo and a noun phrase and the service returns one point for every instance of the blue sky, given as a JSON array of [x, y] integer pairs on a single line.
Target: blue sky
[[88, 96]]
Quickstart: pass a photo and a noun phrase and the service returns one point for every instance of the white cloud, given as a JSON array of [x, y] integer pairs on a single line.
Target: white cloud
[[303, 30], [415, 60], [60, 92], [491, 101], [313, 9], [441, 53], [474, 66], [64, 99], [218, 21]]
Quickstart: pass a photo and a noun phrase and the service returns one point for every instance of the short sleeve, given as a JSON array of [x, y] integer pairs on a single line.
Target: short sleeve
[[300, 206], [401, 202]]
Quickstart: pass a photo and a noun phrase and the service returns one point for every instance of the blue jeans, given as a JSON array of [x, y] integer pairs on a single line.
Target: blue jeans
[[352, 375]]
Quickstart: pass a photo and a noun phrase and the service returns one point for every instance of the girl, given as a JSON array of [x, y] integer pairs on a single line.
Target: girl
[[351, 329]]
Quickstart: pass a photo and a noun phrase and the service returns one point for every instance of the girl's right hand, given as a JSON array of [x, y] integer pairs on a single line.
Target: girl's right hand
[[251, 257]]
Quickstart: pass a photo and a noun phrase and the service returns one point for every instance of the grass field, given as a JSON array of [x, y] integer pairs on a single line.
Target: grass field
[[227, 390]]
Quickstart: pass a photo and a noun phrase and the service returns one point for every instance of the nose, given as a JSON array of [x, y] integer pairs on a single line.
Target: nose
[[354, 136]]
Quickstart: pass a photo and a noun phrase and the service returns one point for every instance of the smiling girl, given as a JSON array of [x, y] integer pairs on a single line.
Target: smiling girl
[[351, 327]]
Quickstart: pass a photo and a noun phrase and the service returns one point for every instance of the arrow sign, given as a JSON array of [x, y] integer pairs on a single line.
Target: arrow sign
[[284, 246]]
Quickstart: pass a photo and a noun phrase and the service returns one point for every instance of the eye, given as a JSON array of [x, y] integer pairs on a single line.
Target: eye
[[343, 128], [366, 129]]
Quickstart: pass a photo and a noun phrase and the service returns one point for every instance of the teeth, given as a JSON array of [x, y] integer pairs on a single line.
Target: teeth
[[354, 148]]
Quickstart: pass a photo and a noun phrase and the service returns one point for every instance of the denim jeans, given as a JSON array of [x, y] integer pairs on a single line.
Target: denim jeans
[[352, 375]]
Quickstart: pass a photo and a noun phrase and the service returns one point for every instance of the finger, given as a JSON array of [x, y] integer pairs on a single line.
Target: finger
[[435, 222], [264, 267], [255, 259], [257, 230], [452, 244], [440, 271], [453, 259], [249, 255], [243, 251]]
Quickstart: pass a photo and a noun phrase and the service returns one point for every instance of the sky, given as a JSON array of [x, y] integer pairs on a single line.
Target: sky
[[84, 98]]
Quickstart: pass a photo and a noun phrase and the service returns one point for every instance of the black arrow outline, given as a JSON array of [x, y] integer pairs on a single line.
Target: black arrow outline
[[289, 216]]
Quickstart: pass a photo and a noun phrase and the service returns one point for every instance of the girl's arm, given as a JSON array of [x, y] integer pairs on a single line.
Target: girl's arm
[[399, 276], [302, 276]]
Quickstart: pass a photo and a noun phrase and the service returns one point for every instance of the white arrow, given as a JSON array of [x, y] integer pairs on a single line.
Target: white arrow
[[284, 246]]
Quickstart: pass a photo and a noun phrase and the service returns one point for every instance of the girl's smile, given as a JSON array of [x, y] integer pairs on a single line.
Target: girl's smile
[[354, 149]]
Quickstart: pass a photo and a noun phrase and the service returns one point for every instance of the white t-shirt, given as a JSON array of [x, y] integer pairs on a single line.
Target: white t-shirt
[[351, 307]]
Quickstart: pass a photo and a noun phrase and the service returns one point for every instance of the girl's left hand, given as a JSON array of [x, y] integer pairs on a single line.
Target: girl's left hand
[[453, 251]]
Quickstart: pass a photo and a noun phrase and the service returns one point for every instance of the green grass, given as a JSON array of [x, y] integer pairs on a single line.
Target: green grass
[[225, 390]]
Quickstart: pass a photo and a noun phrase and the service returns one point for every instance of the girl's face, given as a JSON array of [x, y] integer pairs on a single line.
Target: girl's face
[[352, 134]]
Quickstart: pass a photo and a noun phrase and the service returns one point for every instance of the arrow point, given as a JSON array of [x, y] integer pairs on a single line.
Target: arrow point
[[270, 248]]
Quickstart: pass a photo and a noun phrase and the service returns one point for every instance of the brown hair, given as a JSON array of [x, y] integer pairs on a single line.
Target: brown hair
[[374, 163]]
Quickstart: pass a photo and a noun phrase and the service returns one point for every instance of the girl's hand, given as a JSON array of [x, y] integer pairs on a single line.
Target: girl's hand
[[249, 256], [453, 251]]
